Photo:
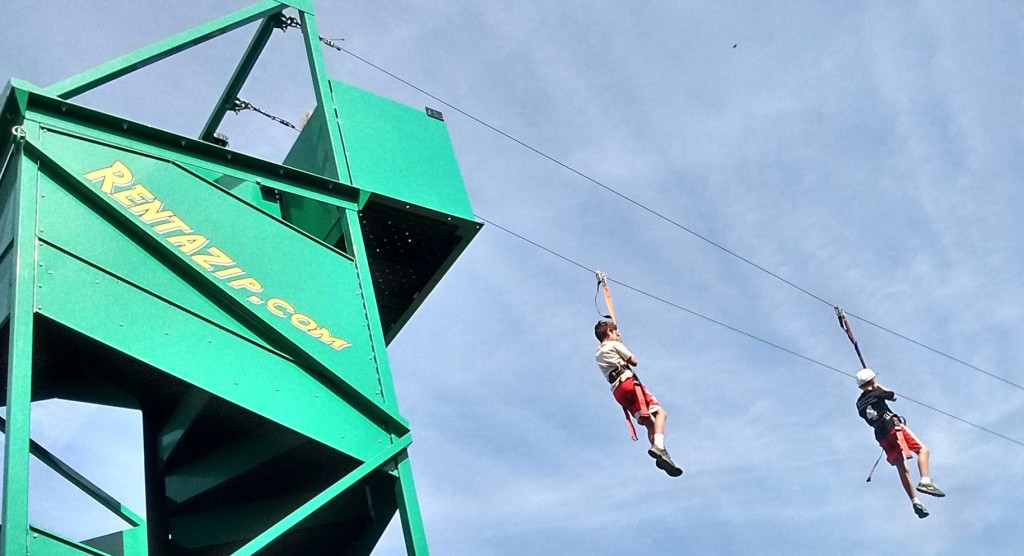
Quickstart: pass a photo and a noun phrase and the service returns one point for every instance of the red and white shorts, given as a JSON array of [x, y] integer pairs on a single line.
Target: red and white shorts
[[625, 394], [891, 444]]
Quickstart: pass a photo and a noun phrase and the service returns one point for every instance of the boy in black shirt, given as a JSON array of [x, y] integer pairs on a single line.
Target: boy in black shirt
[[894, 437]]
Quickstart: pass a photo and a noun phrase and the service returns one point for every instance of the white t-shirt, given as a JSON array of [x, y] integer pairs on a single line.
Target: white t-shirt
[[613, 355]]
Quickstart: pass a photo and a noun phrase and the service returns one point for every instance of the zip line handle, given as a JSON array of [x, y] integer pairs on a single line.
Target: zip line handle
[[845, 325], [602, 282]]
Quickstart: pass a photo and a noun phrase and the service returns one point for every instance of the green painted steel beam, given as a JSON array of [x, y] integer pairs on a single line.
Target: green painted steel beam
[[8, 190], [301, 5], [223, 293], [234, 86], [324, 497], [136, 540], [409, 510], [17, 440], [143, 57], [47, 543], [69, 474], [6, 282], [92, 125], [408, 504], [324, 98], [14, 103], [354, 238]]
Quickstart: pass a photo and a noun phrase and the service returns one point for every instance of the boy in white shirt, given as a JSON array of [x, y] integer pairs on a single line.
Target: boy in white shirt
[[615, 361]]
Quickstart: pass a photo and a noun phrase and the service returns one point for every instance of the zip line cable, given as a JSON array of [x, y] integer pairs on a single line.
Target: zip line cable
[[672, 222], [591, 179], [291, 22], [334, 45], [937, 352], [740, 331]]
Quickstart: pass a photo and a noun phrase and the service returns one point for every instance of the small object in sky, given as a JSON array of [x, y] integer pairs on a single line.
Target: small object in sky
[[735, 45]]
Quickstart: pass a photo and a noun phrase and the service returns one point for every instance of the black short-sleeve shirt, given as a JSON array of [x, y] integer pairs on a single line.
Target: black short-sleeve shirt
[[873, 409]]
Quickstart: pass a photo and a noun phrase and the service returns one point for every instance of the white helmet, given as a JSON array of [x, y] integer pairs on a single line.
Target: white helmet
[[865, 376]]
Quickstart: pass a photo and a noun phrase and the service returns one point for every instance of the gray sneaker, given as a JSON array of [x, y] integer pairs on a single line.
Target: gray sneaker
[[930, 489], [671, 468], [920, 510], [664, 461]]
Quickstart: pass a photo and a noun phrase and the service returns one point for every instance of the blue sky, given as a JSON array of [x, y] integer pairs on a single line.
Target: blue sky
[[869, 152]]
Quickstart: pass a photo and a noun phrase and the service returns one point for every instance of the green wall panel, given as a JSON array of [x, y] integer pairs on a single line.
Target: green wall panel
[[6, 279], [7, 182], [312, 150], [161, 335], [246, 190], [307, 291], [399, 152], [67, 222], [195, 154]]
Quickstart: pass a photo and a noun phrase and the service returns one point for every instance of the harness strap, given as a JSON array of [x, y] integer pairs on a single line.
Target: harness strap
[[638, 389], [629, 423], [907, 454], [641, 400]]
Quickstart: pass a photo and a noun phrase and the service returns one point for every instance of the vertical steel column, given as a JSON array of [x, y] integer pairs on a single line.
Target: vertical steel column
[[19, 363], [322, 90], [408, 505], [157, 532], [409, 509]]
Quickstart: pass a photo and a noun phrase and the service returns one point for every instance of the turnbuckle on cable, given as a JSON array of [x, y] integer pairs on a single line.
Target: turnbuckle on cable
[[285, 22], [240, 104]]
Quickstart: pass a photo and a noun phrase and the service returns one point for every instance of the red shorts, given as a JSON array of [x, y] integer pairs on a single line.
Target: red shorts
[[625, 394], [891, 444]]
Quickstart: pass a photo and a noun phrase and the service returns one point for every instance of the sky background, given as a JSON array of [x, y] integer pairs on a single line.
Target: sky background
[[869, 152]]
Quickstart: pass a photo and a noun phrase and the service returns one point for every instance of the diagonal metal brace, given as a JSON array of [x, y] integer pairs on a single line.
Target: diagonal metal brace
[[77, 479], [324, 497], [141, 58]]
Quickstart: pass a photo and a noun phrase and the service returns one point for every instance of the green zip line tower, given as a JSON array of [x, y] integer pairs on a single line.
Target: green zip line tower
[[242, 307]]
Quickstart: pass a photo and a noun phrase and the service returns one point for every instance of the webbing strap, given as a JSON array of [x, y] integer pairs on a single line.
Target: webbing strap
[[638, 389], [845, 325], [903, 446], [602, 280], [900, 427], [629, 423]]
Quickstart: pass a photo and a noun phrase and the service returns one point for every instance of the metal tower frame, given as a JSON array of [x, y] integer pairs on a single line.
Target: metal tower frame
[[242, 306]]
